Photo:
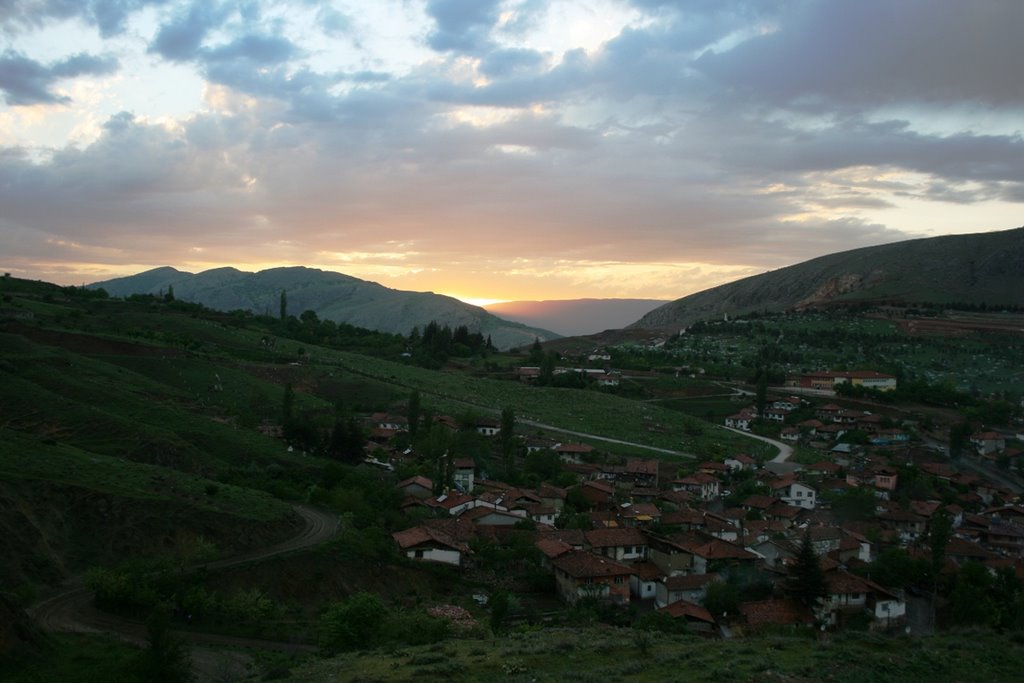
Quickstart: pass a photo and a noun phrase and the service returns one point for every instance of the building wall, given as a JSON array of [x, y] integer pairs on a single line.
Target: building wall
[[445, 556]]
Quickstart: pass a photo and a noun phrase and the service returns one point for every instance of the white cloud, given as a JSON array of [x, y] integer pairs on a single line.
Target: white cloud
[[622, 148]]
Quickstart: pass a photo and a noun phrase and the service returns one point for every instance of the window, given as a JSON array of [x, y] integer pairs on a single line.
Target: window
[[799, 494], [618, 579], [419, 554]]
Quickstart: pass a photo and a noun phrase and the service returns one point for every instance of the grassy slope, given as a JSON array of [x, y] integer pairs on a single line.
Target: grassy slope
[[976, 268], [611, 655], [606, 656], [590, 411], [24, 457]]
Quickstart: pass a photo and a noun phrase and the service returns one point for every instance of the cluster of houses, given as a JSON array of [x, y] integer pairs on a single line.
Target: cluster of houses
[[829, 380], [829, 424], [659, 540], [603, 377]]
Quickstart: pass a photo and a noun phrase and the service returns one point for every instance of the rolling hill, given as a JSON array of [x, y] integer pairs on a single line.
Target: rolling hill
[[332, 296], [984, 268]]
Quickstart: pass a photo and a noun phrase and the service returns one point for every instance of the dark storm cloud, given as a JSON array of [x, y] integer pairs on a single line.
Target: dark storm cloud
[[25, 81], [875, 51]]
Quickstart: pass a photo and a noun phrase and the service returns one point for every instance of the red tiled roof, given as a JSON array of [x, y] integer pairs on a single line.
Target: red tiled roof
[[688, 610], [573, 448], [783, 612], [420, 535], [717, 549], [419, 480], [609, 538], [552, 547], [581, 564]]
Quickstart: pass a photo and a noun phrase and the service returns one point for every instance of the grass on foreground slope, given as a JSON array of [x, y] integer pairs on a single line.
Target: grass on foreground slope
[[24, 457], [106, 408], [620, 655]]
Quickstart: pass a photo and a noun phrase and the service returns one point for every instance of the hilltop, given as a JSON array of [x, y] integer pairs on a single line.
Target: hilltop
[[986, 268], [332, 296]]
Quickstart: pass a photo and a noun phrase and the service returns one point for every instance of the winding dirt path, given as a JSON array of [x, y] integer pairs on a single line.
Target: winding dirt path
[[72, 610]]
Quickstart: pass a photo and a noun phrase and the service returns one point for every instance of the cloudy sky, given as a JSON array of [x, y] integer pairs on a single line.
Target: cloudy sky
[[501, 149]]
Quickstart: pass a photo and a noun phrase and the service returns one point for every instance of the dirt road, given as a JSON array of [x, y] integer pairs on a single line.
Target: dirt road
[[72, 609]]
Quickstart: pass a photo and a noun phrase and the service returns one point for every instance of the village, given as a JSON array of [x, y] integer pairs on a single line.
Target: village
[[873, 535]]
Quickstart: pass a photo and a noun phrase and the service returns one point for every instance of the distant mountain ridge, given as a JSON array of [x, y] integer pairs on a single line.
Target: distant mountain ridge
[[574, 317], [977, 268], [332, 296]]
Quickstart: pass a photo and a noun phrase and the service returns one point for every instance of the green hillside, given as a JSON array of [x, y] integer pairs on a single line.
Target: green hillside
[[332, 296], [983, 268], [152, 413]]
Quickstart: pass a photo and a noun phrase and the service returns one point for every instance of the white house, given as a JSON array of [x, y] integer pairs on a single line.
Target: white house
[[430, 545], [795, 493]]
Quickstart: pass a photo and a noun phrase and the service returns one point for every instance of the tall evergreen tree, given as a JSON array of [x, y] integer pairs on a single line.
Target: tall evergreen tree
[[414, 415], [507, 436], [761, 397], [284, 304], [347, 441], [166, 656], [547, 369], [806, 579]]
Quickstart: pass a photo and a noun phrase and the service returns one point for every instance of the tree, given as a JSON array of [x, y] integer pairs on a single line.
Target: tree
[[721, 598], [547, 369], [761, 399], [414, 414], [170, 293], [284, 304], [806, 580], [166, 657], [958, 436], [939, 531], [507, 435], [855, 504], [347, 441], [972, 599], [536, 352], [499, 603], [353, 624]]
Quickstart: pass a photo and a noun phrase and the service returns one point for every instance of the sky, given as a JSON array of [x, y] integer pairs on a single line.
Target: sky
[[501, 149]]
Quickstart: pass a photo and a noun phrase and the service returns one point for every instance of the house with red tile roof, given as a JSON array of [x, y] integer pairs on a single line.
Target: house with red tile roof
[[430, 545], [624, 544], [417, 487], [691, 587], [988, 442], [850, 594], [573, 452], [581, 574], [697, 617], [741, 462], [704, 486]]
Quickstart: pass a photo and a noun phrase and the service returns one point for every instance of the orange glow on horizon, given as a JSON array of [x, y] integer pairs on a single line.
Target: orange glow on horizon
[[475, 301]]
